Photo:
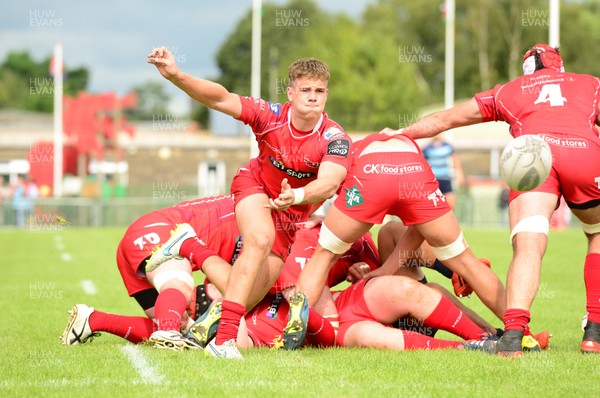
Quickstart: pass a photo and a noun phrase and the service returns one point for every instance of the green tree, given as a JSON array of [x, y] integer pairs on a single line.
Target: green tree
[[27, 84], [390, 62], [368, 86], [577, 42], [152, 101]]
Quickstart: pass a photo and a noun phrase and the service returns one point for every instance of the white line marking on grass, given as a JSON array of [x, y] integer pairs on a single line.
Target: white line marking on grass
[[147, 372], [58, 243], [66, 257], [88, 287]]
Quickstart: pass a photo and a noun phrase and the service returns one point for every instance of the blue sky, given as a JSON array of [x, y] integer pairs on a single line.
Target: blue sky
[[111, 37]]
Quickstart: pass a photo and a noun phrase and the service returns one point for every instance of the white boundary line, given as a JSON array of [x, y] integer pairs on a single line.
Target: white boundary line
[[88, 287], [147, 372]]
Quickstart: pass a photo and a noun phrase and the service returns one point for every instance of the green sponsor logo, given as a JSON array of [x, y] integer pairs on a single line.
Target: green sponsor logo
[[353, 197]]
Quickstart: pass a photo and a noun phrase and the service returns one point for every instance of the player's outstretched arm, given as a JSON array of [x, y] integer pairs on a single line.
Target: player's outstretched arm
[[463, 114], [210, 94]]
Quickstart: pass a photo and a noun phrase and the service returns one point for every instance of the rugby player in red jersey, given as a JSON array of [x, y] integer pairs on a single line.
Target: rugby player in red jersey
[[562, 108], [300, 149], [397, 164], [165, 293]]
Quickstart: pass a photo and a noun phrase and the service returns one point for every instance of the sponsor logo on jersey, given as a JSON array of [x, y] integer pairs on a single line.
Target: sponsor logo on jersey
[[436, 196], [290, 172], [274, 307], [332, 132], [354, 197], [311, 164], [339, 148], [566, 142], [275, 108], [379, 168], [237, 249]]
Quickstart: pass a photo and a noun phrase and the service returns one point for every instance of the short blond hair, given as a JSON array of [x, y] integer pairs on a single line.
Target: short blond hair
[[309, 67]]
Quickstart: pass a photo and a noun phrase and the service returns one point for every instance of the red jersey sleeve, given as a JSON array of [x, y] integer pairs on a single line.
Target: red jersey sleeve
[[254, 113], [487, 104]]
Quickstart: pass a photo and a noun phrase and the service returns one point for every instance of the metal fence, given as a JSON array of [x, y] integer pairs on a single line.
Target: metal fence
[[478, 209], [51, 213]]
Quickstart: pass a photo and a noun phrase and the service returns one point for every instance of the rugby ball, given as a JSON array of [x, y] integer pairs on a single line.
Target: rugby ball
[[525, 163]]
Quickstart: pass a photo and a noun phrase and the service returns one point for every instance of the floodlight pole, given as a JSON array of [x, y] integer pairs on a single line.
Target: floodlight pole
[[57, 70], [256, 53], [554, 30], [449, 59]]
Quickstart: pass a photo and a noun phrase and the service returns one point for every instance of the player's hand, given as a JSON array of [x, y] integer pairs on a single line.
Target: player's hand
[[390, 132], [285, 198], [388, 268], [314, 220], [164, 61], [357, 271]]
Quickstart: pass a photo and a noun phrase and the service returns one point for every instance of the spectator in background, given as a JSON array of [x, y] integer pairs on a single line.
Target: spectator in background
[[446, 167], [24, 194], [503, 205]]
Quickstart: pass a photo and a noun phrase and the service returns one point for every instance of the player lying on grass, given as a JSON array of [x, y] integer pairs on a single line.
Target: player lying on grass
[[367, 309], [364, 257], [165, 293]]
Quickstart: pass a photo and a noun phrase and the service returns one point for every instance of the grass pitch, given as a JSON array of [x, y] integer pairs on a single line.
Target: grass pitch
[[44, 273]]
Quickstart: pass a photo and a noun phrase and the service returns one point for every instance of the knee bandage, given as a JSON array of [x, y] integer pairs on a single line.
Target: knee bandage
[[329, 241], [591, 228], [539, 224], [452, 250], [164, 277]]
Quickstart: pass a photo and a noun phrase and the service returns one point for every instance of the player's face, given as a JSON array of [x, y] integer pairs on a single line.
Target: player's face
[[308, 96]]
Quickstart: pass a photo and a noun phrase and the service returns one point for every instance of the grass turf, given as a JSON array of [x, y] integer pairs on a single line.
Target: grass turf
[[42, 274]]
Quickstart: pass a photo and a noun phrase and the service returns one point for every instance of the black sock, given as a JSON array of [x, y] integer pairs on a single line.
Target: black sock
[[442, 269]]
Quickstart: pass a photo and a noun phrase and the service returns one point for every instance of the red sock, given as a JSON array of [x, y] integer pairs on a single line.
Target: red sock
[[448, 317], [195, 250], [418, 341], [231, 313], [516, 319], [591, 276], [319, 331], [169, 308], [132, 328]]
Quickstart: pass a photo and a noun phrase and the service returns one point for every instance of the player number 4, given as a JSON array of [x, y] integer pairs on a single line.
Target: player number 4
[[552, 93]]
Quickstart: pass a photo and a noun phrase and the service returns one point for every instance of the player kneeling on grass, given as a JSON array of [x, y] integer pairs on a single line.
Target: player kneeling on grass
[[366, 311], [165, 292]]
